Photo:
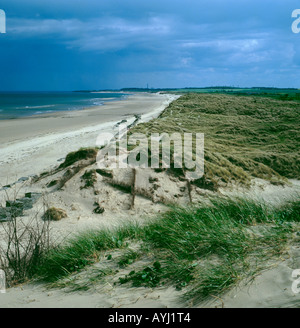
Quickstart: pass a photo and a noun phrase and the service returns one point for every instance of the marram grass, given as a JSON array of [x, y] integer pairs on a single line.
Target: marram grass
[[204, 250], [245, 137]]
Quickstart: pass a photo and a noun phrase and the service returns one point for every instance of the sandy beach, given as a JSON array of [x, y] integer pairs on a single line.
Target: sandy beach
[[35, 144]]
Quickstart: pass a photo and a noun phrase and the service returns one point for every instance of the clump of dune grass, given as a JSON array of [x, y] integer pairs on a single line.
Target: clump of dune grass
[[203, 250], [84, 250], [80, 159], [245, 137], [90, 178], [210, 248], [81, 154], [54, 214], [23, 244], [129, 257]]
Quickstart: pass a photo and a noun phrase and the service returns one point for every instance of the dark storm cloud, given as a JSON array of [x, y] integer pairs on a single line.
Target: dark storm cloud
[[77, 44]]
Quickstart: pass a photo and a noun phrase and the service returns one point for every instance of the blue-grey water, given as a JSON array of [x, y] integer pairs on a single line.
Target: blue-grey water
[[21, 104]]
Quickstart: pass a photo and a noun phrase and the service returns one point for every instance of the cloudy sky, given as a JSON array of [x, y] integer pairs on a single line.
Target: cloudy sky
[[99, 44]]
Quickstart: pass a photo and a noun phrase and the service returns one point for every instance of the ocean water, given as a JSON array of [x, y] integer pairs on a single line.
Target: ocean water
[[21, 104]]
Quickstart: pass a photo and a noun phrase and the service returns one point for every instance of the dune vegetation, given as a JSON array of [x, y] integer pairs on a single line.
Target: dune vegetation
[[245, 137], [202, 250]]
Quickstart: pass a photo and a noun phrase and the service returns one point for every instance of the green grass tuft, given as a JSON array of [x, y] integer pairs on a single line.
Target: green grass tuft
[[81, 154]]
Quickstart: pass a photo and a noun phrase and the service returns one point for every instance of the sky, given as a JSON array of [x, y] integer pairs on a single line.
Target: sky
[[63, 45]]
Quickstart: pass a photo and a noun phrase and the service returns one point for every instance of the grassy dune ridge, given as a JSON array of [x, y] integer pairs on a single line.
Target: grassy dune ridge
[[245, 137]]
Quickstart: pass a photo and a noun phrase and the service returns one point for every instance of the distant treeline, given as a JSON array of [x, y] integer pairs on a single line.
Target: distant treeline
[[188, 88]]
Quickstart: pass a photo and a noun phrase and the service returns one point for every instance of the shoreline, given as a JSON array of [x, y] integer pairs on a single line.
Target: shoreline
[[68, 113], [46, 139], [57, 113]]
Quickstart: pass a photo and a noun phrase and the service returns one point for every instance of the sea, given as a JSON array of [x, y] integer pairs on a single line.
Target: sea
[[23, 104]]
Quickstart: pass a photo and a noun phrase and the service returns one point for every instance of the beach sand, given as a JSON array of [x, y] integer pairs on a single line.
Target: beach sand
[[35, 144]]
